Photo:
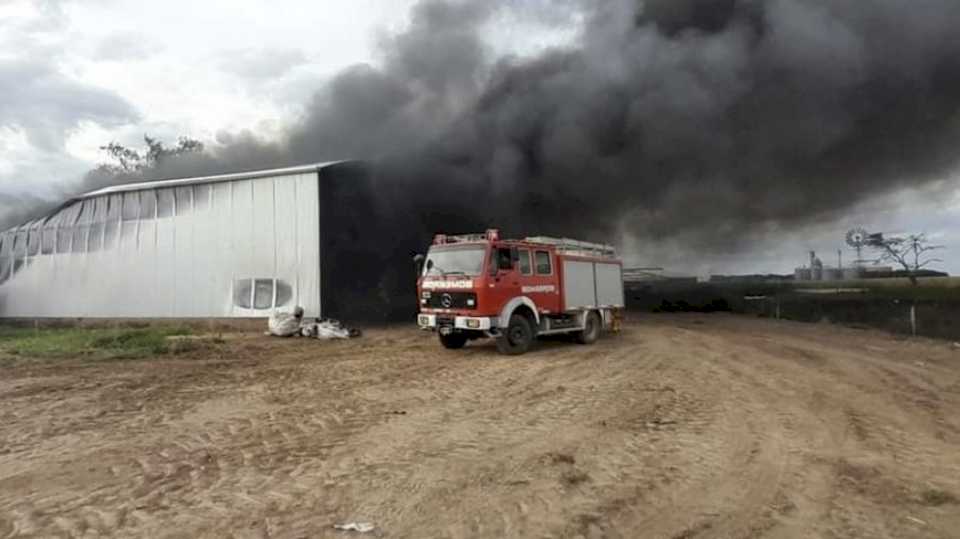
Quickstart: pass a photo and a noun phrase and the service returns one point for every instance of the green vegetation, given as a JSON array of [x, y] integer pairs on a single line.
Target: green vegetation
[[87, 343]]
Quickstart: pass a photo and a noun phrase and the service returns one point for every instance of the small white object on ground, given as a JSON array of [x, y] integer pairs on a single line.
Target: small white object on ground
[[285, 324], [362, 527], [331, 329]]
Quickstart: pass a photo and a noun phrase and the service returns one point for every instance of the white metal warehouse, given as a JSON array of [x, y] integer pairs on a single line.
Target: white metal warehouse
[[235, 245]]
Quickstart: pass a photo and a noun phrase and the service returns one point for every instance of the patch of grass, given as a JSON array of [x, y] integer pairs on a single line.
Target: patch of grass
[[87, 343]]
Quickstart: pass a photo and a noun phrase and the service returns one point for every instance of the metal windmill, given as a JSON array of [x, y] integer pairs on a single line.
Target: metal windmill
[[857, 238]]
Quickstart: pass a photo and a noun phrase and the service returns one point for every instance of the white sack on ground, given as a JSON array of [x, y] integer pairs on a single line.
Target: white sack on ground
[[285, 324]]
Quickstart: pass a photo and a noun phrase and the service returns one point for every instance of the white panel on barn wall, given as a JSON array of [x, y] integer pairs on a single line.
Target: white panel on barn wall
[[129, 223], [136, 275], [87, 258], [91, 272], [263, 248], [242, 225], [111, 227], [81, 232], [308, 243], [183, 262], [146, 259], [222, 270], [287, 225], [48, 263], [205, 252], [72, 274], [166, 255], [33, 270], [95, 239], [120, 283]]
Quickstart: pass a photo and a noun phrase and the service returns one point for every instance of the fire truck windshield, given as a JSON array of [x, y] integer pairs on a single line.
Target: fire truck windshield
[[454, 261]]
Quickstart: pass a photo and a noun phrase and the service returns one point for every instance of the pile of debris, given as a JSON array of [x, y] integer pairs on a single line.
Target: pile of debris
[[293, 325]]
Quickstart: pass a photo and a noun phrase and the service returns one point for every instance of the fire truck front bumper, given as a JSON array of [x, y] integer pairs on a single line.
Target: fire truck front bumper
[[448, 323]]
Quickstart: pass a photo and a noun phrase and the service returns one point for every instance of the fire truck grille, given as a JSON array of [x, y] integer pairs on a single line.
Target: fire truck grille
[[452, 300]]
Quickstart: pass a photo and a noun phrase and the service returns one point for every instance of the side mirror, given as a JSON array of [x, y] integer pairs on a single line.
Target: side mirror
[[514, 255], [418, 263]]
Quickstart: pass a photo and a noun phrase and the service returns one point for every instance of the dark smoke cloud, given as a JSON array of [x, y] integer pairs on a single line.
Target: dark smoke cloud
[[691, 121]]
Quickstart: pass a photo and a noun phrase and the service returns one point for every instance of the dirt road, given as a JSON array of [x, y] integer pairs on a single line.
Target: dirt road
[[684, 426]]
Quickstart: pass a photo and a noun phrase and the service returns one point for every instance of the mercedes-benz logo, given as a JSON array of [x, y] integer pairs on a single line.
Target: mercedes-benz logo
[[446, 300]]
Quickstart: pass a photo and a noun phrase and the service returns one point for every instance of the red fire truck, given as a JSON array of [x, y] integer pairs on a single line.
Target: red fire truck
[[479, 285]]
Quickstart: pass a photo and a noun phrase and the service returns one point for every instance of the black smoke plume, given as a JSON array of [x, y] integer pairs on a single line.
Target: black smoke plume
[[680, 120]]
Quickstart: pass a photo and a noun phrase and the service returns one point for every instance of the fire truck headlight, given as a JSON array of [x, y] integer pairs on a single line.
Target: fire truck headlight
[[473, 323], [423, 301], [471, 302], [424, 320], [425, 294]]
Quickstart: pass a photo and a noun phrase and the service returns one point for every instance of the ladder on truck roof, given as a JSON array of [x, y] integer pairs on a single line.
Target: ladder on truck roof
[[576, 247]]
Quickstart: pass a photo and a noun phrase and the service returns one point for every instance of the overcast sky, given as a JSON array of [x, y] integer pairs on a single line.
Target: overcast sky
[[75, 75]]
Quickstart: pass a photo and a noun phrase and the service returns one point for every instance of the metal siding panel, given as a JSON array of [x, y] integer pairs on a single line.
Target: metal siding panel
[[609, 284], [165, 296], [241, 229], [207, 297], [286, 228], [182, 265], [263, 246], [308, 243], [578, 284], [221, 268], [146, 262], [183, 262]]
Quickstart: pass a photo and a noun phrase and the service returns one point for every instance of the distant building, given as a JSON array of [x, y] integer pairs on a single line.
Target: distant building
[[755, 278], [655, 277]]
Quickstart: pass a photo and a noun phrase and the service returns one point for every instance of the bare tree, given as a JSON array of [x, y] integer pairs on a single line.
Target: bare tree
[[131, 161], [910, 252]]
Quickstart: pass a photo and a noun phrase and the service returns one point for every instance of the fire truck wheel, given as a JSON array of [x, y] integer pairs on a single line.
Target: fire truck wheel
[[454, 341], [591, 331], [517, 337]]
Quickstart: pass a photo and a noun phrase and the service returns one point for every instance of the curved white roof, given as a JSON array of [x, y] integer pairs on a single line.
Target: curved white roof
[[177, 182]]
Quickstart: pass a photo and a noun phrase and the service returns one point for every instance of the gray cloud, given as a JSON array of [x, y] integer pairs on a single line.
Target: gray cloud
[[695, 123], [45, 104]]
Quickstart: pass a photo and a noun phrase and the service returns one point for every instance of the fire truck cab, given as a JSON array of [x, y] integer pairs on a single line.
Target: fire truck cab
[[479, 285]]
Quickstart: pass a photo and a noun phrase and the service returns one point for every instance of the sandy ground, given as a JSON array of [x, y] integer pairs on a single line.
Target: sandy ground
[[683, 426]]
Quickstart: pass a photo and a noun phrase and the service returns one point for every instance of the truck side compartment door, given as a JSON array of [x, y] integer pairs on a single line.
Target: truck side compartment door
[[539, 278]]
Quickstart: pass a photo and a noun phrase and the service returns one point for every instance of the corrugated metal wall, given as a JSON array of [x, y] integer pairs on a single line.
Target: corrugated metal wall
[[237, 248]]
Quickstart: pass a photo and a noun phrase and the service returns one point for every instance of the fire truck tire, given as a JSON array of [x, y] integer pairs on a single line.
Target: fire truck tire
[[453, 341], [517, 337], [591, 329]]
